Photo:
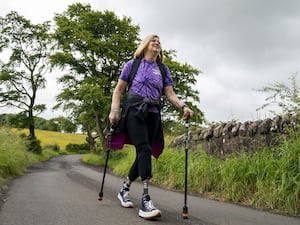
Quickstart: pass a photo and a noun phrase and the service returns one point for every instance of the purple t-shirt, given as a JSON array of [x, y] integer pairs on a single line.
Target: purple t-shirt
[[148, 79]]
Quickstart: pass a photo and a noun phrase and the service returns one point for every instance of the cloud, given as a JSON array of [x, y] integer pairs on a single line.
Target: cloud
[[239, 45]]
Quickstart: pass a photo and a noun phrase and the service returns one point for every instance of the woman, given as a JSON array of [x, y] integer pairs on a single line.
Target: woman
[[142, 125]]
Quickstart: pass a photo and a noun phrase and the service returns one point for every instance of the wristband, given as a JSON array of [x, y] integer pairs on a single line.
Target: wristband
[[114, 110], [182, 107]]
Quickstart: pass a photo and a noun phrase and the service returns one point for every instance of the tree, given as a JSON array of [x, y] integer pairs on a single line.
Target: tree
[[23, 74], [42, 124], [283, 96], [65, 124], [92, 46], [18, 120], [184, 77]]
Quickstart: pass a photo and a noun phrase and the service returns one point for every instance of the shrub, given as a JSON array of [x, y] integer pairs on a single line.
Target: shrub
[[13, 155], [55, 147], [78, 148], [34, 145]]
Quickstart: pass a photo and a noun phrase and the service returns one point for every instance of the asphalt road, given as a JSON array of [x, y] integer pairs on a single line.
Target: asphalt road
[[64, 191]]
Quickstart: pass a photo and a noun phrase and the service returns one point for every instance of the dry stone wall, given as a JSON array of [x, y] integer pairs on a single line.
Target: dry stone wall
[[225, 138]]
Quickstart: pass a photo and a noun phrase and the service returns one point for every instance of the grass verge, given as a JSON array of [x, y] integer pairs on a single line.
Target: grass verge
[[14, 157], [267, 179]]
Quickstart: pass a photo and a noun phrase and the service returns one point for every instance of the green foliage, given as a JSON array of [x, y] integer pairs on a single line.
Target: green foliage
[[238, 178], [93, 159], [22, 75], [173, 128], [33, 145], [65, 124], [93, 46], [267, 178], [286, 97], [167, 172], [184, 77], [120, 161], [13, 159], [78, 148], [204, 172], [54, 147], [19, 120], [14, 155]]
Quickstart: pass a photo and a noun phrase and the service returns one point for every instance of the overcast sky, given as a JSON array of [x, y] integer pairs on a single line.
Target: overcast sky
[[239, 45]]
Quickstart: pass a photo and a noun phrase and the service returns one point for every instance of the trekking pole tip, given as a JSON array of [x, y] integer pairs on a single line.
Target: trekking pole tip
[[100, 197], [185, 214]]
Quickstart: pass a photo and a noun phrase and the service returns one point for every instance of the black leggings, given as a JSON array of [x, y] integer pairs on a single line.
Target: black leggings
[[141, 133]]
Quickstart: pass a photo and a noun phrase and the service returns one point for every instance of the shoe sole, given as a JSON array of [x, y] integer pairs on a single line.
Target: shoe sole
[[156, 215], [123, 204]]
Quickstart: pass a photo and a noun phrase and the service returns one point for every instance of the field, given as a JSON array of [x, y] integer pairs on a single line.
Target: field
[[55, 138]]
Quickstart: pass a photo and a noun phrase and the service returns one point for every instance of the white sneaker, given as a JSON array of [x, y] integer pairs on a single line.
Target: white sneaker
[[148, 210], [123, 196]]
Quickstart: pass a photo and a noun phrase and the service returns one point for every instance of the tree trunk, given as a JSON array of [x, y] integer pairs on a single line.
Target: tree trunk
[[31, 124], [100, 131], [90, 139]]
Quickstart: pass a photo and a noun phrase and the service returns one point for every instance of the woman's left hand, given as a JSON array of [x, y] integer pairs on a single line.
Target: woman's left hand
[[187, 113]]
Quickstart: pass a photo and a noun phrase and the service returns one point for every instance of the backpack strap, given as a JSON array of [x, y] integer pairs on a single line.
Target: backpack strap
[[133, 70], [135, 66], [162, 71]]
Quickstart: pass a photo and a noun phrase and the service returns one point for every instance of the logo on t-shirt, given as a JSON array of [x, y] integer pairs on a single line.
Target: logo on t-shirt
[[156, 72]]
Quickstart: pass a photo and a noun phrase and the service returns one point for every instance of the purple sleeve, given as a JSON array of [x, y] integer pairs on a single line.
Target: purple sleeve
[[168, 79], [126, 70]]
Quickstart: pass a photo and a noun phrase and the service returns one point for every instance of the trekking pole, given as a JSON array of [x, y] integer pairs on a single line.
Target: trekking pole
[[106, 160], [185, 213]]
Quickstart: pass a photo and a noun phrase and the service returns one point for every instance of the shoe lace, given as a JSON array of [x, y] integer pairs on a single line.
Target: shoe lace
[[126, 194], [149, 205]]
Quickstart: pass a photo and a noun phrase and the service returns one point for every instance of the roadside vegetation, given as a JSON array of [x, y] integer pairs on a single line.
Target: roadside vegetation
[[268, 179], [15, 156]]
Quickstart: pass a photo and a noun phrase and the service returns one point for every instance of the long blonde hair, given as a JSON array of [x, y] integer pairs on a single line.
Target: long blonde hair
[[140, 50]]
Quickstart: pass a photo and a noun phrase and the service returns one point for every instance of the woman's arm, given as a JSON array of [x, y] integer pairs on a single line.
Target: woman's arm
[[174, 100], [115, 103]]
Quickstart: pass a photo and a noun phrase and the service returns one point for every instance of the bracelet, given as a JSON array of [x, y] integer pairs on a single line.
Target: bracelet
[[114, 110], [182, 107]]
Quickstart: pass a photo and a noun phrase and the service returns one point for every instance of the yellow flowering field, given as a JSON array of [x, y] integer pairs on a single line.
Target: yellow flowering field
[[51, 137]]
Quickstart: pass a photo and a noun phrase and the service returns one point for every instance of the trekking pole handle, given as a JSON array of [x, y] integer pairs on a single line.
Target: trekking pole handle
[[186, 117], [111, 130], [186, 125], [109, 135]]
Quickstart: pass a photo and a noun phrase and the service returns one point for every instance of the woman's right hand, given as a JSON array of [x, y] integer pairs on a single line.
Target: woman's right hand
[[114, 114], [114, 117]]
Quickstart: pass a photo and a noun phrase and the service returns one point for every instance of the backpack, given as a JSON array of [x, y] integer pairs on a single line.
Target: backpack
[[135, 66], [132, 73]]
